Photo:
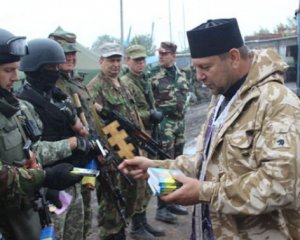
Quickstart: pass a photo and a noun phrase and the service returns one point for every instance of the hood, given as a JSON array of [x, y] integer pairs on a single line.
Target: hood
[[266, 66]]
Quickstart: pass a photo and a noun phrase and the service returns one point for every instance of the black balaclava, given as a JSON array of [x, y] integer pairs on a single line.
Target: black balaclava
[[42, 80]]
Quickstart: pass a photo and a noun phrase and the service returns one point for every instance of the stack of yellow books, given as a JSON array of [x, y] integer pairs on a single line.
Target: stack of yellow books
[[161, 180]]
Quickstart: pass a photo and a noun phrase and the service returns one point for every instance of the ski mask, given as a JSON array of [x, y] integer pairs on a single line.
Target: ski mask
[[43, 80]]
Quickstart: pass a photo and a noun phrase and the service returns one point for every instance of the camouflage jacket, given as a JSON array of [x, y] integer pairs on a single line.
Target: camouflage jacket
[[12, 141], [74, 84], [115, 98], [252, 175], [170, 93], [18, 181], [140, 87], [112, 97], [11, 153]]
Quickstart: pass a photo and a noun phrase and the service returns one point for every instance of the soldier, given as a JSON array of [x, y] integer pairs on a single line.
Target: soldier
[[18, 220], [136, 81], [170, 89], [70, 82], [244, 175], [107, 90], [60, 122]]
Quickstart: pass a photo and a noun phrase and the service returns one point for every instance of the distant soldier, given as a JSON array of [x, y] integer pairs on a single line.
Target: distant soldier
[[18, 220], [170, 89], [136, 81], [70, 82], [107, 90], [60, 121]]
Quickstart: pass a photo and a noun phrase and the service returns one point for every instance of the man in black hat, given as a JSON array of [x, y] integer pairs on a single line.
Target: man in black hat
[[244, 174]]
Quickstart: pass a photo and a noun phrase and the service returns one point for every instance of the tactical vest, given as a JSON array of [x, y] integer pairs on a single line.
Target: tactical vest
[[11, 153], [56, 126]]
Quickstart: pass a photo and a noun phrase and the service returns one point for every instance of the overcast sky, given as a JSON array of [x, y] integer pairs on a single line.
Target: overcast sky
[[92, 18]]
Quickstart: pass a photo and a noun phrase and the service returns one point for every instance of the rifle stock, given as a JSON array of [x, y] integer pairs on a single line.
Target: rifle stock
[[138, 136]]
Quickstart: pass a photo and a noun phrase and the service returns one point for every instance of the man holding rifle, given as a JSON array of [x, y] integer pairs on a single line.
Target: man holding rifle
[[20, 175], [107, 90]]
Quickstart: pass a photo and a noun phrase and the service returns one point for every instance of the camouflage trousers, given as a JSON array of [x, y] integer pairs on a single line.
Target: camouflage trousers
[[172, 135], [109, 219], [69, 224], [144, 194], [87, 209]]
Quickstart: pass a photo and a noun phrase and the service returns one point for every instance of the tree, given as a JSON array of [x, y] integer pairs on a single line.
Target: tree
[[146, 41], [287, 29], [102, 40], [262, 31]]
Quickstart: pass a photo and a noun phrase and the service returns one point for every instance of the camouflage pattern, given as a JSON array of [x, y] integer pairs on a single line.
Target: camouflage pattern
[[70, 223], [140, 87], [252, 174], [110, 49], [170, 93], [17, 217], [121, 100], [71, 84], [142, 93], [18, 181], [66, 39]]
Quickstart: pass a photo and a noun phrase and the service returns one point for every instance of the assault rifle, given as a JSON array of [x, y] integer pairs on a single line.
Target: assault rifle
[[137, 136], [107, 161]]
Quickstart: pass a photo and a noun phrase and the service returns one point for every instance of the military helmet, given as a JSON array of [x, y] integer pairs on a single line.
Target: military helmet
[[11, 47], [42, 51]]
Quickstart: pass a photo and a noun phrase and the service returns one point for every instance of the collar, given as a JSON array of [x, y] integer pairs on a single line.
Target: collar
[[234, 88]]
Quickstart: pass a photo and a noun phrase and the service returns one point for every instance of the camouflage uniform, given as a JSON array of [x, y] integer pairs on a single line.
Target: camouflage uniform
[[140, 88], [252, 167], [170, 94], [19, 215], [71, 85], [120, 100]]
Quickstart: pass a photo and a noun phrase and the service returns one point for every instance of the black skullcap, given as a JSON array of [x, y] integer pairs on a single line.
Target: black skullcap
[[214, 37]]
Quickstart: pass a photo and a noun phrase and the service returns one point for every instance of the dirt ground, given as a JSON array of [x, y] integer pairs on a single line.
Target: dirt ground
[[180, 231]]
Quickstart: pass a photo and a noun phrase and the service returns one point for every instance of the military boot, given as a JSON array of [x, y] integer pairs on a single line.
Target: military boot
[[138, 230], [157, 232], [177, 209], [164, 215]]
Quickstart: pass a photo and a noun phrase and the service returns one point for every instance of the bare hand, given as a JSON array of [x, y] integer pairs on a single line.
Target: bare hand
[[136, 167], [31, 163], [80, 129], [187, 194]]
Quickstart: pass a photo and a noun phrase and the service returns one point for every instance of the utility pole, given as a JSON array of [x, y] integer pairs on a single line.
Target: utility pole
[[183, 21], [298, 41], [170, 21], [122, 24]]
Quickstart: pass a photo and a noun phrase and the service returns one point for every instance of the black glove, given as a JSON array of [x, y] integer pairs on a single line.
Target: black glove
[[156, 116], [52, 196], [83, 145], [59, 176], [70, 112]]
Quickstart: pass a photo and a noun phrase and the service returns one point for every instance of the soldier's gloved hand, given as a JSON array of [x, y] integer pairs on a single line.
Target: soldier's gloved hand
[[70, 112], [156, 116], [59, 176], [83, 145], [52, 196]]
